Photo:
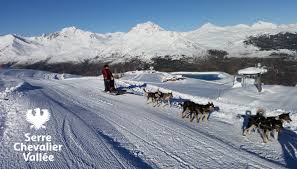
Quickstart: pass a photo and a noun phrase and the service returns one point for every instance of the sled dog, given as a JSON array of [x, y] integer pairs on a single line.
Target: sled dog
[[164, 97], [267, 124], [152, 97], [195, 109]]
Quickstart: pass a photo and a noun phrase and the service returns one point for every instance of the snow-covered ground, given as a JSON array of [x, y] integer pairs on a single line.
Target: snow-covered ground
[[98, 130]]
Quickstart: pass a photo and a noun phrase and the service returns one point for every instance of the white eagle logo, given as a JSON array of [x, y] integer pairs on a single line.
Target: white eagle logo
[[38, 120]]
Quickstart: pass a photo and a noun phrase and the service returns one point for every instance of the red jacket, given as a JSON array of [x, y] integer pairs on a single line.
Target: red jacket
[[106, 74]]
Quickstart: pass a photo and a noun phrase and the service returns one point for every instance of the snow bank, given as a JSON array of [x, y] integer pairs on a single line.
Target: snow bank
[[36, 74], [7, 91], [197, 73], [252, 71]]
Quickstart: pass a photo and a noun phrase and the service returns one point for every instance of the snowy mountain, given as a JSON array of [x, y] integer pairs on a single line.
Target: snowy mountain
[[144, 41], [231, 38]]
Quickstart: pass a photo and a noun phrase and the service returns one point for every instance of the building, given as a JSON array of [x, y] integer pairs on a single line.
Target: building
[[250, 75]]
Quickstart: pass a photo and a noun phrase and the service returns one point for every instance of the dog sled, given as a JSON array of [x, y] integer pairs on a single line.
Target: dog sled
[[113, 90]]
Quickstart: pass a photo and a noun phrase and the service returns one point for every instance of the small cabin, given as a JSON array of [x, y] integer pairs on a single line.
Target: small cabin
[[248, 76]]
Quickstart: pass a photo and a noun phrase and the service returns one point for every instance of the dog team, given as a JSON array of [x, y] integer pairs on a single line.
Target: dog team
[[201, 112], [191, 109]]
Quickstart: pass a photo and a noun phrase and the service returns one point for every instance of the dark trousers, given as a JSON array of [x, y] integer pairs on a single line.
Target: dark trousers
[[107, 85], [259, 87]]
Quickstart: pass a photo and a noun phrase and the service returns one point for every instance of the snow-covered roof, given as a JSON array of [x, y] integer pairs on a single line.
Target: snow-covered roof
[[252, 71]]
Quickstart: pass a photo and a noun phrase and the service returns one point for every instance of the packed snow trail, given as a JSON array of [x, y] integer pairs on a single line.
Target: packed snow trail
[[98, 130]]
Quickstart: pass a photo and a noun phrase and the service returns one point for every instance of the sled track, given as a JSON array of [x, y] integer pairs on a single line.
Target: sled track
[[205, 137], [210, 138], [63, 134], [222, 144], [177, 158]]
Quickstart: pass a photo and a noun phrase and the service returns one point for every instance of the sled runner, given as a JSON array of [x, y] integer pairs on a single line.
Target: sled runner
[[116, 92]]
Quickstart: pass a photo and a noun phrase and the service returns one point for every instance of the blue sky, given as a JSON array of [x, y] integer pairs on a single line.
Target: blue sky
[[34, 17]]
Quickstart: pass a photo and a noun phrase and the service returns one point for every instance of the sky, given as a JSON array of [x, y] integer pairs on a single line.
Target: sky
[[35, 17]]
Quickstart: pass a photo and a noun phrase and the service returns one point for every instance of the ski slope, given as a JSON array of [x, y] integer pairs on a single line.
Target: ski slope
[[98, 130]]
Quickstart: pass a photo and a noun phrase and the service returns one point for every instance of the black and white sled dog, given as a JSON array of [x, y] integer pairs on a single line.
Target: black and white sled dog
[[152, 97], [164, 97], [266, 124], [192, 110]]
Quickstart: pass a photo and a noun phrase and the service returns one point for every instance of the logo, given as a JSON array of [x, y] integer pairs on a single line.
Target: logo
[[36, 147], [38, 119]]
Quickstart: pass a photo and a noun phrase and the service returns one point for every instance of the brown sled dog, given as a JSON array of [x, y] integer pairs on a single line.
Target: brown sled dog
[[195, 109]]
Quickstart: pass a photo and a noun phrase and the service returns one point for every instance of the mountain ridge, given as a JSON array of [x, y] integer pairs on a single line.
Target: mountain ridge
[[144, 41]]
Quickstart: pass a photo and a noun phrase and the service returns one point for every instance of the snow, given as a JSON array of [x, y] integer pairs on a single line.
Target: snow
[[144, 41], [264, 25], [230, 38], [148, 27], [97, 130], [252, 71]]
